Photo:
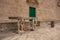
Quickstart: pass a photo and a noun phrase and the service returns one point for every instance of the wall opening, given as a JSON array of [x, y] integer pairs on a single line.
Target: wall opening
[[32, 12]]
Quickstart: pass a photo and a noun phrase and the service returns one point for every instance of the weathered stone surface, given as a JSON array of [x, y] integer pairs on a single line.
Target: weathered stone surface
[[46, 10], [44, 33]]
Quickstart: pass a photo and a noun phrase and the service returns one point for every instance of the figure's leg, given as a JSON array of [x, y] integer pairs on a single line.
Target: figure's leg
[[33, 25], [22, 27], [18, 26]]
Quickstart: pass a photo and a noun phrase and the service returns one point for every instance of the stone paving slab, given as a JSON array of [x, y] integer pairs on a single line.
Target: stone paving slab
[[45, 33]]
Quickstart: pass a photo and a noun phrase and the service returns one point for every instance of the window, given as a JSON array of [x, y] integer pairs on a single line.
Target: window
[[32, 12]]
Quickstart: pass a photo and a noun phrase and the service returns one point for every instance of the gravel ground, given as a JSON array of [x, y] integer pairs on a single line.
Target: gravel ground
[[43, 32]]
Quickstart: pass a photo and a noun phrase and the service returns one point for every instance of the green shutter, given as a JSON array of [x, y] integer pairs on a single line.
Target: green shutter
[[32, 12]]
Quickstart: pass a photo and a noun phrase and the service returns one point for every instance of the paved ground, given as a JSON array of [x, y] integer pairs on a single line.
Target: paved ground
[[44, 32]]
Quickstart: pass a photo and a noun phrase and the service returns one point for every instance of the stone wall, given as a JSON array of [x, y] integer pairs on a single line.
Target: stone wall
[[13, 8], [58, 8], [5, 27], [46, 9]]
